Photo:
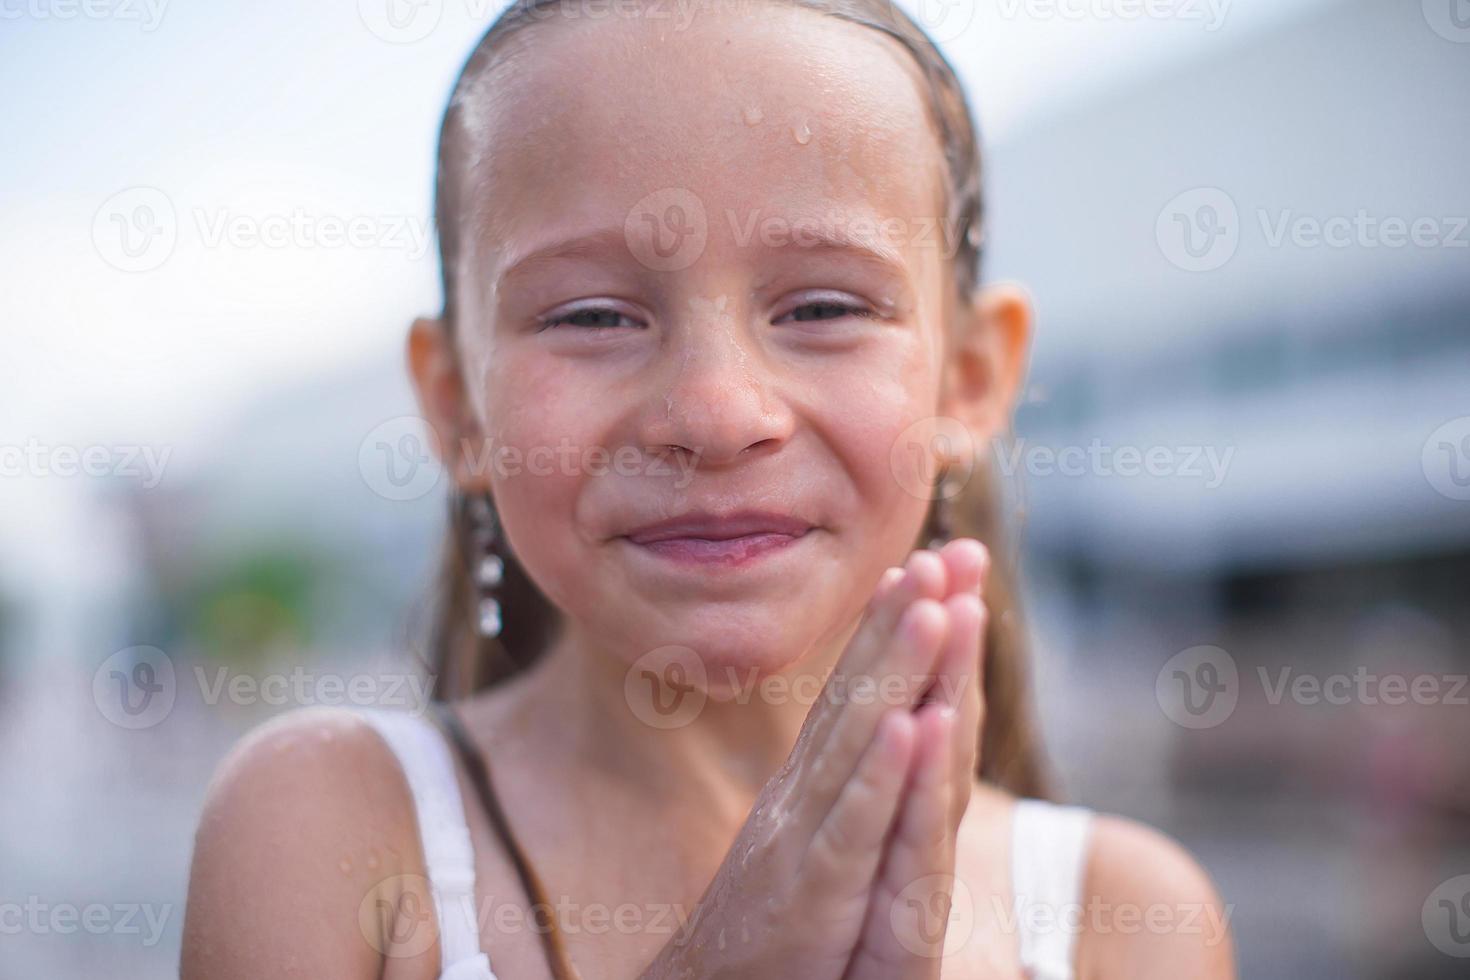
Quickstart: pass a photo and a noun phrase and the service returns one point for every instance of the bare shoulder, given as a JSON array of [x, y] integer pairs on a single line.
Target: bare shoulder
[[305, 820], [1151, 910]]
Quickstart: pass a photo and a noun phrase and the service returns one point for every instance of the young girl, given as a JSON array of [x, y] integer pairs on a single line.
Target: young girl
[[711, 324]]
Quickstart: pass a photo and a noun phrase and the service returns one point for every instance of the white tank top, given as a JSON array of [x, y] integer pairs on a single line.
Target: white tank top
[[1048, 854]]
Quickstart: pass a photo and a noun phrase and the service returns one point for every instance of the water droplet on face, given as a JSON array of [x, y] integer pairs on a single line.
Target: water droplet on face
[[344, 866], [372, 861], [802, 132], [753, 115]]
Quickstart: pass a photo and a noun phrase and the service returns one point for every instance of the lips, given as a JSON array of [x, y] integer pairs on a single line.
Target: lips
[[728, 527], [719, 541]]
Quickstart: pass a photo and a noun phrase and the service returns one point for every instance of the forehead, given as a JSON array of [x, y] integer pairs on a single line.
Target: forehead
[[759, 110]]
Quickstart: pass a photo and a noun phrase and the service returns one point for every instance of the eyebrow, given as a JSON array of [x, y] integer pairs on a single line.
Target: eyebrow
[[601, 242], [827, 237], [812, 235]]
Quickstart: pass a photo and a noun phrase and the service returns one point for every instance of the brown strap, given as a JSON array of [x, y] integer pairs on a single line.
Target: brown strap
[[478, 768]]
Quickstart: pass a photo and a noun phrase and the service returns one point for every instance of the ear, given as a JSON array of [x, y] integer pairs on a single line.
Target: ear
[[988, 365], [439, 385]]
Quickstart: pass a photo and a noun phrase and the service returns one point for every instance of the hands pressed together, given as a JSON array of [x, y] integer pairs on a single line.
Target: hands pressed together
[[847, 860]]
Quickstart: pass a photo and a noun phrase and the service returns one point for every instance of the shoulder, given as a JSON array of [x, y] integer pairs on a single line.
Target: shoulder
[[305, 820], [1149, 908]]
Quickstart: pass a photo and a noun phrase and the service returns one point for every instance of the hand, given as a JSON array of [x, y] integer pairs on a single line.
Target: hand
[[795, 896], [904, 935]]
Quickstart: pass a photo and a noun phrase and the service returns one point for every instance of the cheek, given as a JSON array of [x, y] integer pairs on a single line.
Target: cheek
[[539, 429], [882, 421]]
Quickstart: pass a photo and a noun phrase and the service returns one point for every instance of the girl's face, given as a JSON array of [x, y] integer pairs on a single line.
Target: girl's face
[[703, 274]]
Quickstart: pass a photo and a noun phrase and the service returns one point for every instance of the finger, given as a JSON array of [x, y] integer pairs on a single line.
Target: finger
[[958, 684], [858, 707], [904, 932], [886, 582], [922, 577], [844, 853], [967, 561]]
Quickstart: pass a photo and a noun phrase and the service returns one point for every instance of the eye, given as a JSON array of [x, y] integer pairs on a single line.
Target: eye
[[591, 318], [826, 309]]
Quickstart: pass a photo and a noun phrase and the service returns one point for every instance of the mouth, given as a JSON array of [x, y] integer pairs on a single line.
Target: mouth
[[729, 541]]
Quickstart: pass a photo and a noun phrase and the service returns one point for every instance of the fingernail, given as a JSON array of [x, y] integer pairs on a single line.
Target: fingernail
[[887, 581]]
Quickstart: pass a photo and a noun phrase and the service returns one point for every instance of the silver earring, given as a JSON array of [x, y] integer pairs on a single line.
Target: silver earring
[[941, 511], [489, 566]]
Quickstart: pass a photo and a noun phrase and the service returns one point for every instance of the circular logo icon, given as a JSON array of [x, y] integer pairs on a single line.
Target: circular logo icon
[[1446, 917], [1199, 230], [942, 20], [1198, 687], [933, 916], [399, 460], [667, 230], [916, 455], [401, 21], [397, 916], [665, 688], [136, 230], [1450, 19], [135, 688], [1446, 459]]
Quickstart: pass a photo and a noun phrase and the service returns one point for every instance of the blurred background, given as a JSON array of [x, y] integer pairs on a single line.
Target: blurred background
[[1241, 472]]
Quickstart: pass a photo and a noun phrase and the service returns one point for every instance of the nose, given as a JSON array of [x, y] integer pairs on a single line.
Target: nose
[[716, 397]]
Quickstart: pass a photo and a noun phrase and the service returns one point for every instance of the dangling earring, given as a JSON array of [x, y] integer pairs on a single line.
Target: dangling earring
[[941, 512], [488, 567]]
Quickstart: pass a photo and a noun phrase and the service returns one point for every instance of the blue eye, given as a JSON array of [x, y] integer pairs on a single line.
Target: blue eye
[[590, 318]]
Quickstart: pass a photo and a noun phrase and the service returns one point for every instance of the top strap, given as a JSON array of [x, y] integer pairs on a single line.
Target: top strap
[[449, 856], [1048, 858]]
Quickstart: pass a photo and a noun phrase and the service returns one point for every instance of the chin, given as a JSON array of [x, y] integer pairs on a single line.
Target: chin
[[725, 656]]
